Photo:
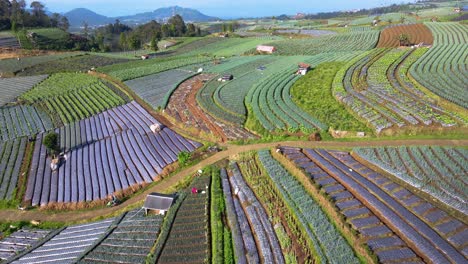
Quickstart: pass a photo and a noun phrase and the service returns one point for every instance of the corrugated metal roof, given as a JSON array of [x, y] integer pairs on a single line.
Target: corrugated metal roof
[[157, 201]]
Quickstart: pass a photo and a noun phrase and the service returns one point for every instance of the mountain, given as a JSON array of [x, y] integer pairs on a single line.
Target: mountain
[[189, 15], [77, 16]]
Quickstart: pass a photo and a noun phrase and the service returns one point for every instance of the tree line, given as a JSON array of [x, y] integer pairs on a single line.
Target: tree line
[[15, 15]]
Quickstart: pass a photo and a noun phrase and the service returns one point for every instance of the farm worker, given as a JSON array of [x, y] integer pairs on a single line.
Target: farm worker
[[194, 190]]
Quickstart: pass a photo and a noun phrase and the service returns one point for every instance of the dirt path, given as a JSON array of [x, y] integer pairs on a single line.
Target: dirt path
[[77, 216]]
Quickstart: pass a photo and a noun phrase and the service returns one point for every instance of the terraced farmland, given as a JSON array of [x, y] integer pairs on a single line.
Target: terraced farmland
[[71, 97], [417, 33], [376, 234], [11, 157], [328, 244], [352, 41], [11, 88], [21, 121], [375, 87], [8, 40], [15, 65], [130, 240], [443, 68], [254, 224], [228, 47], [434, 170], [156, 89], [19, 241], [111, 152], [188, 239], [67, 245], [420, 236]]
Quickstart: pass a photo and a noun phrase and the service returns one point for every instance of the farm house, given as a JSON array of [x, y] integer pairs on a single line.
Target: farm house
[[159, 203], [266, 49]]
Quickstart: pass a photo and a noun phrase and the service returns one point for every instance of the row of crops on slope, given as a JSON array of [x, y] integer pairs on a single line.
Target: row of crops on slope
[[67, 244], [156, 89], [253, 222], [188, 239], [110, 152], [429, 244], [443, 68], [352, 41], [21, 121], [135, 69], [8, 40], [385, 244], [376, 88], [15, 65], [80, 63], [229, 47], [130, 240], [72, 97], [22, 239], [437, 171], [271, 101], [13, 87], [393, 17], [313, 94], [329, 244], [11, 156]]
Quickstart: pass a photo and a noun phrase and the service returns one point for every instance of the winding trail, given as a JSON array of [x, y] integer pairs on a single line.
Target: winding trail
[[80, 216]]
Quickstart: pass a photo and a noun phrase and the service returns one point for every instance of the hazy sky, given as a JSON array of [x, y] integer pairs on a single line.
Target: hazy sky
[[220, 8]]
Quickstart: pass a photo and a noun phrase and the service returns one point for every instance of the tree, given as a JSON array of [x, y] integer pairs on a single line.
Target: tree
[[64, 24], [179, 25], [230, 27], [184, 157], [223, 28], [85, 29], [51, 143], [54, 20], [134, 42], [123, 41], [402, 19], [390, 20], [404, 39], [154, 44]]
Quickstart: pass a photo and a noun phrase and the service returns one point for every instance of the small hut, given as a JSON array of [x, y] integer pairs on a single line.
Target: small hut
[[266, 49], [145, 57], [303, 69], [156, 128], [226, 78], [159, 203]]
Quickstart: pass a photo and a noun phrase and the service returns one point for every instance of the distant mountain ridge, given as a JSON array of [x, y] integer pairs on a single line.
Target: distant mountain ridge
[[77, 16]]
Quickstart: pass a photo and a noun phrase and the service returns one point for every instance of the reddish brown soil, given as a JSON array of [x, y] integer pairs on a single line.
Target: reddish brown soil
[[184, 109], [417, 33]]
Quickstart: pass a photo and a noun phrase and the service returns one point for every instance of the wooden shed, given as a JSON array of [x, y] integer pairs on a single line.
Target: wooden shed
[[303, 69]]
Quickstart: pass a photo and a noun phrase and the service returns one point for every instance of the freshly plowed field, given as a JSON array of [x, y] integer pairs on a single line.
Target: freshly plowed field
[[417, 33]]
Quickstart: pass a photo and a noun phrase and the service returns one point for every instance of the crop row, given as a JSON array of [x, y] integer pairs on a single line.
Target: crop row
[[15, 65], [130, 241], [417, 33], [188, 239], [443, 68], [352, 41], [434, 170], [429, 244], [13, 87], [23, 120], [155, 89], [20, 241], [11, 156], [329, 244], [110, 152], [268, 248], [371, 229]]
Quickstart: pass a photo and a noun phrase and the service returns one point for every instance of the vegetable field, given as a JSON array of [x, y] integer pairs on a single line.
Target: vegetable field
[[21, 121], [13, 87], [15, 65], [352, 41], [188, 240], [129, 242], [228, 47], [72, 97], [11, 157], [156, 89], [110, 152], [429, 244], [251, 216], [375, 87], [443, 68], [8, 40], [437, 171], [417, 33], [19, 241], [329, 244], [66, 246], [377, 235]]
